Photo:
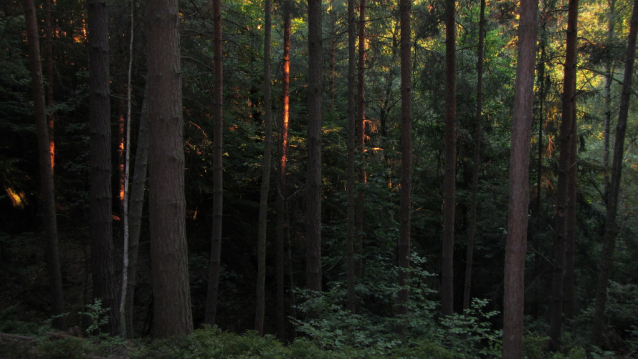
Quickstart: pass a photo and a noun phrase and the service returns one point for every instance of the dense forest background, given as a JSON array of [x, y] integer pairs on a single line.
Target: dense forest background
[[332, 316]]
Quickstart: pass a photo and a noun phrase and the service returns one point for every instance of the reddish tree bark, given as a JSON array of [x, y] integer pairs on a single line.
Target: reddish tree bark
[[171, 291], [100, 171], [350, 231], [516, 246], [46, 171]]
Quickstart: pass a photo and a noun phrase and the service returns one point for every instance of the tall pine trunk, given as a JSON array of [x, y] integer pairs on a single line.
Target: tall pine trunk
[[171, 291], [405, 210], [100, 171], [516, 246], [46, 171], [567, 135], [360, 140], [265, 178], [281, 229], [313, 180], [449, 197], [609, 239], [477, 160], [137, 205], [218, 187], [350, 231]]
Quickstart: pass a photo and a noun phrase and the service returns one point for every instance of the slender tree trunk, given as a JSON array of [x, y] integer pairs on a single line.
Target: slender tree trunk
[[405, 210], [283, 159], [567, 135], [171, 291], [265, 178], [46, 171], [125, 204], [569, 294], [609, 241], [313, 180], [477, 160], [333, 59], [350, 234], [516, 246], [609, 76], [137, 205], [48, 54], [449, 200], [100, 174], [360, 140], [218, 187]]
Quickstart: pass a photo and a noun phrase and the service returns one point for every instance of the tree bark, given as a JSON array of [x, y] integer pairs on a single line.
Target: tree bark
[[48, 54], [218, 187], [405, 210], [569, 285], [477, 160], [609, 240], [449, 198], [516, 246], [350, 231], [171, 292], [360, 140], [609, 76], [567, 135], [100, 174], [265, 178], [125, 202], [46, 171], [283, 159], [137, 205], [313, 180]]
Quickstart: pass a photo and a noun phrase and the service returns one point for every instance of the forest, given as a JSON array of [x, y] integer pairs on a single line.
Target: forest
[[318, 179]]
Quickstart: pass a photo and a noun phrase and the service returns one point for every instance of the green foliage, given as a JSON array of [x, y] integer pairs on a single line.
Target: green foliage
[[65, 348]]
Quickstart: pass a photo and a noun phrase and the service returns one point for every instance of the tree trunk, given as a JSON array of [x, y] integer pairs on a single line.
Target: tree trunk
[[137, 206], [313, 180], [171, 292], [218, 187], [100, 174], [265, 178], [569, 285], [516, 246], [567, 135], [125, 202], [405, 210], [46, 172], [609, 76], [360, 140], [449, 201], [609, 239], [48, 54], [283, 159], [350, 234], [477, 160]]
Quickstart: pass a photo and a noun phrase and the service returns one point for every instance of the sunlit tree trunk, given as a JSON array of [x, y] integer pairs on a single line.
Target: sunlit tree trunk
[[100, 171], [405, 210], [265, 178], [171, 291], [350, 212], [477, 160], [218, 188], [567, 135], [516, 246], [281, 201], [137, 205], [609, 240], [609, 76], [46, 172], [313, 180], [449, 195]]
